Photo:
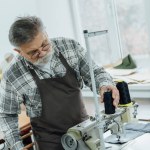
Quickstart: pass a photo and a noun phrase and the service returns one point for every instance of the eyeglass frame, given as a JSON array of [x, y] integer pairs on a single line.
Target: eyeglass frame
[[34, 52]]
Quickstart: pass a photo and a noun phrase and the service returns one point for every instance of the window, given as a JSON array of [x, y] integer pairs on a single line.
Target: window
[[133, 28], [93, 18]]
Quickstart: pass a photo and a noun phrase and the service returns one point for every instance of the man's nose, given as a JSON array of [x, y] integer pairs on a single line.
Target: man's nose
[[40, 50], [38, 53], [41, 53]]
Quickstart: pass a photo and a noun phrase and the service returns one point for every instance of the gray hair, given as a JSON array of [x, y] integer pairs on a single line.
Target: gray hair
[[24, 30]]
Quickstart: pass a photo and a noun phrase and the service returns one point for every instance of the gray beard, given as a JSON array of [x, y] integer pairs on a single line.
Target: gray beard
[[44, 60]]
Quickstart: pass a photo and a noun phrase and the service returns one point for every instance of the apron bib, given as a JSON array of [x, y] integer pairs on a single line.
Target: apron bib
[[62, 108]]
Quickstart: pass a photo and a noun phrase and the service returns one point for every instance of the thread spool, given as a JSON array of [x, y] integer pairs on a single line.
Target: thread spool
[[124, 93], [2, 141], [108, 103]]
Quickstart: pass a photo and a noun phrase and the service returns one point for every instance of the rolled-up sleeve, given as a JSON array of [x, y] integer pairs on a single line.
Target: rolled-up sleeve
[[102, 78]]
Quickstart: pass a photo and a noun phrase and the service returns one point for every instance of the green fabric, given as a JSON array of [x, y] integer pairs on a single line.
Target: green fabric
[[127, 63]]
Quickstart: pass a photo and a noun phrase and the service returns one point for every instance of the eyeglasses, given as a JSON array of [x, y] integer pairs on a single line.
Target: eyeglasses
[[44, 47]]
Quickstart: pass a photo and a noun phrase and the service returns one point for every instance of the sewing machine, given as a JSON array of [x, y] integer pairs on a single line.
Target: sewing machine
[[85, 136], [89, 135]]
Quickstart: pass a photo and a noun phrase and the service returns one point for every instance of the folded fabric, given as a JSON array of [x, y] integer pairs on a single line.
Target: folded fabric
[[142, 127], [132, 131], [127, 63], [125, 137]]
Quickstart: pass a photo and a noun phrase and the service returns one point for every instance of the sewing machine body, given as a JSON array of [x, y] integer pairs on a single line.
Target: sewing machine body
[[85, 136]]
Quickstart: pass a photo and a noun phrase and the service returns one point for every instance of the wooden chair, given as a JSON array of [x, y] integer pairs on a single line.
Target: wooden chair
[[26, 136]]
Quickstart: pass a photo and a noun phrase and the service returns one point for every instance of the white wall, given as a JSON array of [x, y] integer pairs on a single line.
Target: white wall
[[8, 12], [56, 15]]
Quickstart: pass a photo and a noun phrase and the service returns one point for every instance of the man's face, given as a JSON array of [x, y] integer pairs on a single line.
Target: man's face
[[37, 50]]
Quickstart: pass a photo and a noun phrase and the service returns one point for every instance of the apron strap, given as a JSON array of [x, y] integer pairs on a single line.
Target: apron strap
[[35, 76], [64, 62]]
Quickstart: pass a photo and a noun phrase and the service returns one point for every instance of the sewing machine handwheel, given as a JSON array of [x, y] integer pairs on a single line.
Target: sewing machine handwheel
[[69, 142]]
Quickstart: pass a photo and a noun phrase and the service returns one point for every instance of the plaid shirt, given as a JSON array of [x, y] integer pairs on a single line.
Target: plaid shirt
[[18, 86]]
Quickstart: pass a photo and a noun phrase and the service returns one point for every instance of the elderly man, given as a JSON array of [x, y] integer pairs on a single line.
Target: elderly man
[[46, 76]]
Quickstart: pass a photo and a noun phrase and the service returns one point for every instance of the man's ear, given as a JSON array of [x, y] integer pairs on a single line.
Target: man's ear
[[18, 51]]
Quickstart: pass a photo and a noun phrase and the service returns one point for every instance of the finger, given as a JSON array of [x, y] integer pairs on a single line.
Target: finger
[[101, 96], [115, 103], [102, 91], [115, 94], [101, 99]]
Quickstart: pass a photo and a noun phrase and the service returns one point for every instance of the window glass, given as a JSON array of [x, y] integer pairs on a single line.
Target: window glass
[[132, 24], [93, 18]]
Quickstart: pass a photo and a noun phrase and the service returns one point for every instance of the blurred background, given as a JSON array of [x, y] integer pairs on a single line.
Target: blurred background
[[127, 22]]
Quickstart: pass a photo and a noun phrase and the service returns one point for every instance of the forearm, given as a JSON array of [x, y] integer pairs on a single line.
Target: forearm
[[9, 127], [102, 78]]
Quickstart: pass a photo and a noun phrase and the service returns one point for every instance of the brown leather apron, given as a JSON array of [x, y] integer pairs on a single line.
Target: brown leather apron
[[62, 108]]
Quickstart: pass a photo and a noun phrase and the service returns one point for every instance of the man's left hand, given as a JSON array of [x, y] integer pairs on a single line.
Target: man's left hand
[[115, 93]]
